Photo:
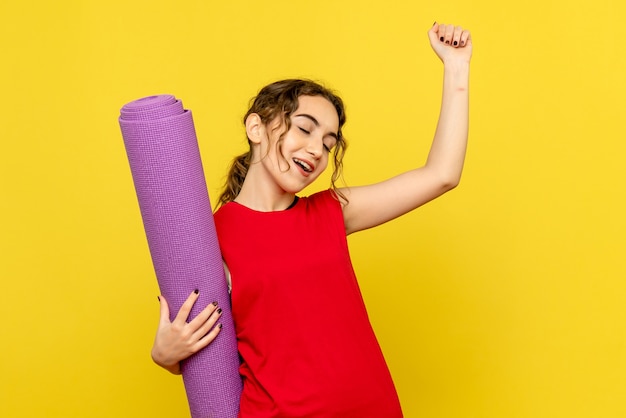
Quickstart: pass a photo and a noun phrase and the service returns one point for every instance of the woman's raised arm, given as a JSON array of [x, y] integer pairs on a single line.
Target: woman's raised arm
[[372, 205]]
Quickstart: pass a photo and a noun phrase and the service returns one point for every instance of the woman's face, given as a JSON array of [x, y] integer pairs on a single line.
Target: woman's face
[[305, 148]]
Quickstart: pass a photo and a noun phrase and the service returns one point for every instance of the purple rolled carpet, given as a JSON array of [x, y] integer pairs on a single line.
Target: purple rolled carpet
[[164, 158]]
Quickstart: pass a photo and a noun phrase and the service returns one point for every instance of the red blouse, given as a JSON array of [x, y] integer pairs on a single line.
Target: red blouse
[[307, 346]]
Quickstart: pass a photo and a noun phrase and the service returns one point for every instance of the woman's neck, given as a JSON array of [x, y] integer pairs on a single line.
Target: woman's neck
[[257, 195]]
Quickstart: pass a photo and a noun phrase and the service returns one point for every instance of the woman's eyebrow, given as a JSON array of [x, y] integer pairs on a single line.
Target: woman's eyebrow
[[315, 122]]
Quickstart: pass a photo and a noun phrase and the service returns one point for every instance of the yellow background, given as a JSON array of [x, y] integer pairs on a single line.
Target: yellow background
[[504, 298]]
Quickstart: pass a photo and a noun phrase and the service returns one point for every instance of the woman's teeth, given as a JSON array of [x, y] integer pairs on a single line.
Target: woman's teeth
[[306, 167]]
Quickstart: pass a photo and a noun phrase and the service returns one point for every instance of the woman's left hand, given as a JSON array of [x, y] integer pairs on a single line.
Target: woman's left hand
[[451, 43]]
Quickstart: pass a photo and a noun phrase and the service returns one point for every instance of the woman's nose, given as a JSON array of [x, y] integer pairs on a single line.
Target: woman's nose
[[315, 147]]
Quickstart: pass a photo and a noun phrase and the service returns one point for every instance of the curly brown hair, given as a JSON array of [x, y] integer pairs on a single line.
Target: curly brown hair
[[280, 99]]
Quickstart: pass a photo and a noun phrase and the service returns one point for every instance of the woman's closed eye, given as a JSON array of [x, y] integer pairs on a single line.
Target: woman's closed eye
[[327, 147]]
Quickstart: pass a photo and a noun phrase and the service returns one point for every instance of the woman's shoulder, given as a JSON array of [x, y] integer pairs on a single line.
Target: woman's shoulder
[[325, 205], [225, 213], [324, 197], [222, 209]]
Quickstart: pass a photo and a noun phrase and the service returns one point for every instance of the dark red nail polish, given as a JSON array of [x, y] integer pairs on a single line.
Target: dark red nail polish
[[441, 39], [196, 291], [159, 298], [447, 42], [220, 326], [214, 303], [455, 43], [219, 310]]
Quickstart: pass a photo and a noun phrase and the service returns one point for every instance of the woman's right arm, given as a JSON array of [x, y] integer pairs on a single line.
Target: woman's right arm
[[178, 339]]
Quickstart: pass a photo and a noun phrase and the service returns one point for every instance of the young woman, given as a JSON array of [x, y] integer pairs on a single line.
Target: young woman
[[306, 344]]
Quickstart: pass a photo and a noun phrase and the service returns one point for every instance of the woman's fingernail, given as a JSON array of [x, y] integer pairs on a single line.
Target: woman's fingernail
[[441, 39], [455, 43], [159, 298], [447, 42], [435, 23], [196, 291], [220, 326], [215, 303], [219, 310]]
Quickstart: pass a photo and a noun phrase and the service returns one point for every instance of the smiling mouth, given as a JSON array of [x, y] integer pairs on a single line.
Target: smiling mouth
[[303, 164]]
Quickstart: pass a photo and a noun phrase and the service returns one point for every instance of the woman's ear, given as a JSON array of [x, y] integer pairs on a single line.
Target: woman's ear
[[255, 129]]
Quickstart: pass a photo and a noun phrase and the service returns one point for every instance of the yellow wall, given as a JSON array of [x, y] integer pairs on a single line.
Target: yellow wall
[[505, 298]]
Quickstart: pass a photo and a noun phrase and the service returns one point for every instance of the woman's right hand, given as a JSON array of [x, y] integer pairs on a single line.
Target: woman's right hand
[[178, 339]]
